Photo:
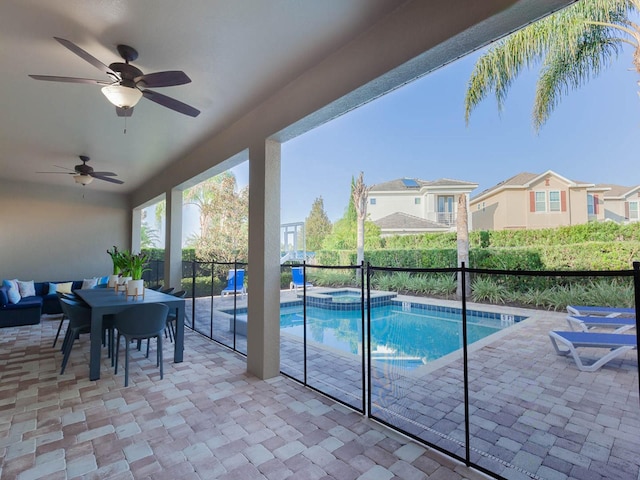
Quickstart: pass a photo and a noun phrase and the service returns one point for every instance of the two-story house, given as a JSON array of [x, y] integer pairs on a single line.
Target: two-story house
[[621, 204], [533, 200], [410, 205]]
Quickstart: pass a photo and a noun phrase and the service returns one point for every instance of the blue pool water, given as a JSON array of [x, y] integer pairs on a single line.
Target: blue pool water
[[407, 335]]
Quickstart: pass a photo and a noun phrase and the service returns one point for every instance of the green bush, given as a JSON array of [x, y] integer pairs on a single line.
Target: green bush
[[613, 255], [188, 254], [203, 286]]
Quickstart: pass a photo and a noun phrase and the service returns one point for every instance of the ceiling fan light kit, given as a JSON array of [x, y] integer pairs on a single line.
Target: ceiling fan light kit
[[83, 179], [121, 96]]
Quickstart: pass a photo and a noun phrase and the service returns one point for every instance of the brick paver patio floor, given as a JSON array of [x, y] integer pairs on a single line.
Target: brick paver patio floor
[[533, 414]]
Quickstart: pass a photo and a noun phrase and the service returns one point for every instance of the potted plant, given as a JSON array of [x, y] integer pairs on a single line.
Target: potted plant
[[135, 265], [119, 260]]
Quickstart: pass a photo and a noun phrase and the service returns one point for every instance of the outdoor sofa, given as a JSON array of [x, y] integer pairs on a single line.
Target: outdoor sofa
[[29, 309]]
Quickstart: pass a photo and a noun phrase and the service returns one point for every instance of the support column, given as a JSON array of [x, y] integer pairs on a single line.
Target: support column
[[263, 324], [173, 240], [136, 229]]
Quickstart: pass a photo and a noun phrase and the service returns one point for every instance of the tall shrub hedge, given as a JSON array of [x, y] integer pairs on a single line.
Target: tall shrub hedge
[[582, 256]]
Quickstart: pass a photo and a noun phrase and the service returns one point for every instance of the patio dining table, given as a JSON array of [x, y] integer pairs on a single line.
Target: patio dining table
[[105, 301]]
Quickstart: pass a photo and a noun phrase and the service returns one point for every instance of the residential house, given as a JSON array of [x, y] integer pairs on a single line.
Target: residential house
[[537, 200], [621, 204], [410, 205]]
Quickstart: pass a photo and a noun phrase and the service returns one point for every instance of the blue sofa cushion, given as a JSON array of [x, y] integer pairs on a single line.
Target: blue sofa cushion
[[27, 302]]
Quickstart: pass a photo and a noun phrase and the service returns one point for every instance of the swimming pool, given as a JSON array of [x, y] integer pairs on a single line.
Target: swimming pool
[[406, 334]]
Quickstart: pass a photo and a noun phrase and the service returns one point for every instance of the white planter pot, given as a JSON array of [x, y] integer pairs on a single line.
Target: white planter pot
[[113, 281], [135, 288]]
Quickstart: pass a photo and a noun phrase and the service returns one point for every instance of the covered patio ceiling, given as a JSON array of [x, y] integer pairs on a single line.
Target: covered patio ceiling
[[237, 53]]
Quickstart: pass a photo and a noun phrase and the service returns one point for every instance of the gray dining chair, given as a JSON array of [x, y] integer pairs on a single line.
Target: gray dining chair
[[79, 322], [61, 295], [139, 322], [79, 315]]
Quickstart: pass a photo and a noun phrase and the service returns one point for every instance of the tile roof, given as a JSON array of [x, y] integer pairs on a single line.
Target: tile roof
[[398, 184], [399, 220], [615, 190]]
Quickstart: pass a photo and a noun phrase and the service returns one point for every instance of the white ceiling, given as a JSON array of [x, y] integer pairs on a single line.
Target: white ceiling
[[237, 52]]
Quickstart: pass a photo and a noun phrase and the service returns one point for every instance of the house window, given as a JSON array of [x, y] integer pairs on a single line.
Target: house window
[[633, 211], [446, 214], [541, 202], [591, 206], [554, 201], [372, 201], [416, 201]]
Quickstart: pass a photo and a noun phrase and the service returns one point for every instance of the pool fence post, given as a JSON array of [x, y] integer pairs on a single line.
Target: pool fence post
[[363, 326], [636, 293], [465, 364], [304, 319]]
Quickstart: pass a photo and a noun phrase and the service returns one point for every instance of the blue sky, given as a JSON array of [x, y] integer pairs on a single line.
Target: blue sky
[[419, 131]]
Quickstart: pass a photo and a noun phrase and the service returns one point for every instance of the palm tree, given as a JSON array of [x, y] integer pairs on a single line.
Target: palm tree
[[462, 237], [572, 46], [360, 194]]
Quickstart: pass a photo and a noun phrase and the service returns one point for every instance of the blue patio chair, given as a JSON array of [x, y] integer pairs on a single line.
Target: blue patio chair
[[588, 322], [616, 344], [235, 283], [297, 278], [582, 310]]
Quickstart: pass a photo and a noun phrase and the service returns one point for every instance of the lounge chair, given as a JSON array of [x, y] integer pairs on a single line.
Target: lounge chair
[[581, 310], [235, 283], [585, 323], [617, 343], [297, 278]]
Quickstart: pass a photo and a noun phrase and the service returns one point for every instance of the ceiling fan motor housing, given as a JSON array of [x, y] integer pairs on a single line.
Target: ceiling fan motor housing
[[127, 73]]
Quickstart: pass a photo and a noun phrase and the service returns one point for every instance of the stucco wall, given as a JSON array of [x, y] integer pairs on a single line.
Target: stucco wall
[[59, 233]]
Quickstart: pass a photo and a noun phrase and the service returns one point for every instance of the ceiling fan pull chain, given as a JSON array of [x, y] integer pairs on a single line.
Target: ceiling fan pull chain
[[125, 126]]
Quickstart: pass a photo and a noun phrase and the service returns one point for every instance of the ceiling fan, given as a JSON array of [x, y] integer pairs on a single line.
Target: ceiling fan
[[127, 84], [84, 174]]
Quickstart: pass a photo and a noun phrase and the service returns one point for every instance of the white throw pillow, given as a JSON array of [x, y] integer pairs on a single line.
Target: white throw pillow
[[89, 283], [27, 289]]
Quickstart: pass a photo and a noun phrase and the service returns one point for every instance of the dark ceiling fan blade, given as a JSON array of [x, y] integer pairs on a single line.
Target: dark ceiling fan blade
[[163, 79], [104, 174], [65, 168], [124, 112], [86, 56], [53, 78], [107, 179], [65, 173], [171, 103]]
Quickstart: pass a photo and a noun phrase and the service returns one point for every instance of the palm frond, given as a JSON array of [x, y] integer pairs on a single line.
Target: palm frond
[[562, 37], [565, 70]]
